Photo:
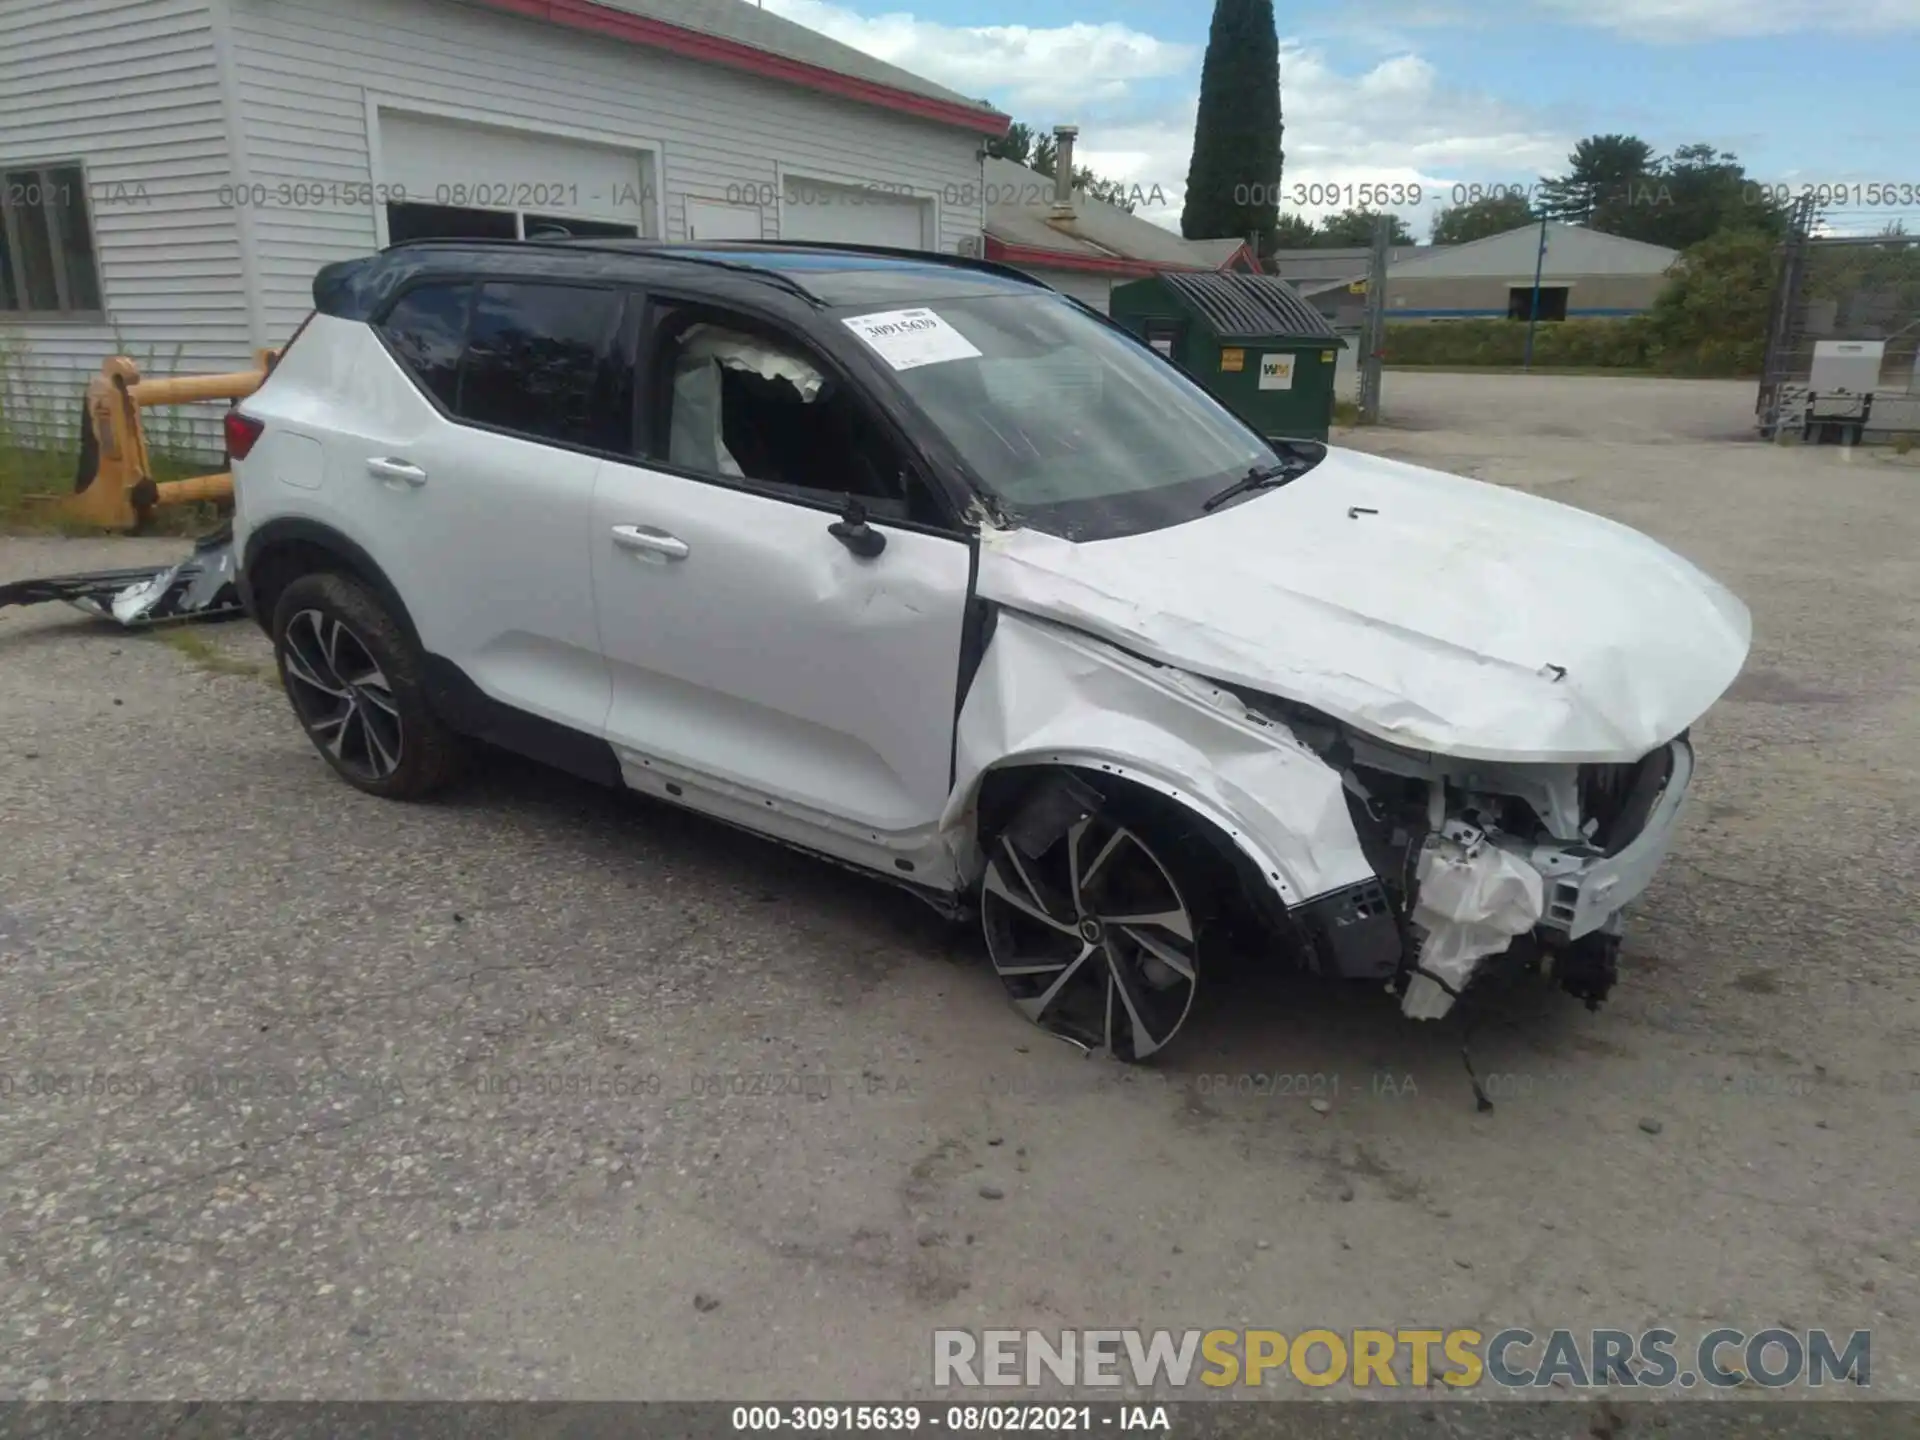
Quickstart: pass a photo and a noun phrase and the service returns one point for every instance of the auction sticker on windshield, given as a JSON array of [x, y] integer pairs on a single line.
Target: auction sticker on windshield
[[908, 339]]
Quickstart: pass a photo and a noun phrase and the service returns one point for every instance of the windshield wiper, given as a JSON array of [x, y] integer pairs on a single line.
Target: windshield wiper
[[1258, 478]]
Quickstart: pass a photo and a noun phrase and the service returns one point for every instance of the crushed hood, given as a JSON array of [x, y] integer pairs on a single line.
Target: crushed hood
[[1427, 610]]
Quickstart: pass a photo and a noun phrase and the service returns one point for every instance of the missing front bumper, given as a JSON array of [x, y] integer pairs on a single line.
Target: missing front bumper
[[1477, 895]]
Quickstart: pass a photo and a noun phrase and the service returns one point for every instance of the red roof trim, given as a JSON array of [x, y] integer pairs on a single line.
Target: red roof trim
[[1074, 260], [1244, 252], [698, 45]]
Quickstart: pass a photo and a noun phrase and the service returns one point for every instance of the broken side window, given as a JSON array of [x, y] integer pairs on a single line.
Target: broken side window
[[744, 406]]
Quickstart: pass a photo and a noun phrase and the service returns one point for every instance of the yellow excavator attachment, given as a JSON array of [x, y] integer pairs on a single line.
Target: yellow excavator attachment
[[114, 488]]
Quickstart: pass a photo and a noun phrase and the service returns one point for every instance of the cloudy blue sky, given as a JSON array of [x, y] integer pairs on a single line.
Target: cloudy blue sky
[[1444, 92]]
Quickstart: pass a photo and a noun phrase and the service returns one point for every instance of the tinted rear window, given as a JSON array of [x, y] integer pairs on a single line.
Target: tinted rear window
[[538, 363], [427, 330]]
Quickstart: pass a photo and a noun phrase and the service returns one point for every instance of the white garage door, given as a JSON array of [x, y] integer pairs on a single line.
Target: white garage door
[[524, 181], [710, 220], [846, 215]]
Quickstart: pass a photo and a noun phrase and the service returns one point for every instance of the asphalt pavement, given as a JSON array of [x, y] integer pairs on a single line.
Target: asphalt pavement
[[544, 1091]]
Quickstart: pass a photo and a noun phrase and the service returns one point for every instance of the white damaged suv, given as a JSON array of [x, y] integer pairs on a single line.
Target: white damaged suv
[[915, 564]]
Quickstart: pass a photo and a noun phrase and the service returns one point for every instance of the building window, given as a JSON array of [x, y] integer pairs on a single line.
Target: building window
[[47, 262], [560, 227], [447, 222], [409, 221], [1553, 302]]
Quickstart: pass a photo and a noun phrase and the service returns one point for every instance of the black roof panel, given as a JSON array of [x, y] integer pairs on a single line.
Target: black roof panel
[[822, 275]]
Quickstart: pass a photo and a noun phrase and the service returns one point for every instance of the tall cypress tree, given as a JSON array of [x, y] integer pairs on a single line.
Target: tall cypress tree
[[1233, 183]]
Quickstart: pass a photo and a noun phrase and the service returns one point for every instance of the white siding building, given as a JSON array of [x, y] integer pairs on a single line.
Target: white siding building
[[175, 171]]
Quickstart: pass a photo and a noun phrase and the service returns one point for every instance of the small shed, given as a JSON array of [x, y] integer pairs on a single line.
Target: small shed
[[1263, 351]]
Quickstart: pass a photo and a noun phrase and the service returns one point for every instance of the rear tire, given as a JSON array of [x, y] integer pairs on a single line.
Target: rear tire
[[357, 686]]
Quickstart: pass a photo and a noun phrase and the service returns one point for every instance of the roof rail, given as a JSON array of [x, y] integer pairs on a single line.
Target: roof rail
[[937, 257], [651, 249], [678, 250]]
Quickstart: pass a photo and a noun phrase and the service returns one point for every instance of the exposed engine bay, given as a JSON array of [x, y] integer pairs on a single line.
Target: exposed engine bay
[[1476, 860]]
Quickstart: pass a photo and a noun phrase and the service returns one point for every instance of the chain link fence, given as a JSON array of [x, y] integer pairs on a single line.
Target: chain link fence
[[1844, 328]]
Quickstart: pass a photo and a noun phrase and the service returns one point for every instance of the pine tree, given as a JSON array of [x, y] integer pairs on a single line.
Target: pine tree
[[1233, 183], [1603, 170], [1477, 219], [1016, 145], [1353, 227]]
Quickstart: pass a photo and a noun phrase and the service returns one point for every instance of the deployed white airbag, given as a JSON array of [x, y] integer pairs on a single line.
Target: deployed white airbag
[[1472, 900], [694, 439], [735, 351]]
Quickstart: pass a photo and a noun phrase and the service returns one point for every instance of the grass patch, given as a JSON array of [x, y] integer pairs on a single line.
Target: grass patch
[[40, 442], [205, 655], [24, 473], [1583, 344], [1623, 372], [1630, 345], [27, 474], [1347, 413]]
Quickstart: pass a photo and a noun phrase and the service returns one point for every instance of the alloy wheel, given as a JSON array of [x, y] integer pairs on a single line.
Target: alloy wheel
[[341, 695], [1092, 938]]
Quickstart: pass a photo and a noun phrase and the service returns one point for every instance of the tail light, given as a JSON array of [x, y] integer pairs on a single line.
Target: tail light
[[242, 431]]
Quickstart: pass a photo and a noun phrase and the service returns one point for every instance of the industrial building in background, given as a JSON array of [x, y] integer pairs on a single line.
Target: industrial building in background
[[1584, 274], [1334, 279]]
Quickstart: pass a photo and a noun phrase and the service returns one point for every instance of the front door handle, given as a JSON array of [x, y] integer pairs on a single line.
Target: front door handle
[[386, 468], [645, 540]]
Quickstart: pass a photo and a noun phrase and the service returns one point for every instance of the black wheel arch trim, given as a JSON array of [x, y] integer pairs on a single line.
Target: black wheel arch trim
[[289, 531]]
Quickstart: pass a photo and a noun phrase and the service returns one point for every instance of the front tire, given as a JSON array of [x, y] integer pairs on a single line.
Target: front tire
[[1094, 938], [356, 685]]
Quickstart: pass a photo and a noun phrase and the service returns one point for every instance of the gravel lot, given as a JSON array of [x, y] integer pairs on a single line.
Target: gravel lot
[[311, 1095]]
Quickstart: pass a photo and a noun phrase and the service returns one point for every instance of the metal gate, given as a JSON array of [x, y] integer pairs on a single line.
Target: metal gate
[[1784, 320], [1844, 276]]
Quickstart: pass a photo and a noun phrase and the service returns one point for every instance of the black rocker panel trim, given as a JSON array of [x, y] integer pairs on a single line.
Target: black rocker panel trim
[[471, 711]]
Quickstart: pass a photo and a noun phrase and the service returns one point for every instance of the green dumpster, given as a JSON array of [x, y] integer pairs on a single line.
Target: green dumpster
[[1264, 352]]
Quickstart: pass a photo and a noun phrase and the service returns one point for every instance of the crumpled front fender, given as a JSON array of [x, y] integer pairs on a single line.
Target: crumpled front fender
[[1048, 695]]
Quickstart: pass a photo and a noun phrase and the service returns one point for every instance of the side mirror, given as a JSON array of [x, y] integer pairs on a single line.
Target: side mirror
[[853, 531]]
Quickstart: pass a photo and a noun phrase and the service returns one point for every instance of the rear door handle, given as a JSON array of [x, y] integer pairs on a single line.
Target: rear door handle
[[385, 468], [645, 540]]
